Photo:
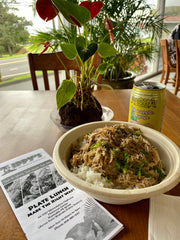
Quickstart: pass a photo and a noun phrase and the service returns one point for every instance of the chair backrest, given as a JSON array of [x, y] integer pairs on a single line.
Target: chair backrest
[[165, 52], [51, 62], [177, 44]]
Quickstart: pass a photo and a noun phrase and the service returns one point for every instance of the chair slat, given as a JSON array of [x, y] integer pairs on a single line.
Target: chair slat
[[34, 81], [167, 66], [177, 84], [56, 76], [46, 82], [50, 62]]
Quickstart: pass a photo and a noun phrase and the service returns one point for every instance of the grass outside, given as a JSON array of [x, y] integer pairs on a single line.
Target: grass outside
[[15, 79], [6, 56], [22, 53], [20, 78]]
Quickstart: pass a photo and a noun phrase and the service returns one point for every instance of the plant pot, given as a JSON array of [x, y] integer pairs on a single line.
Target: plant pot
[[121, 83]]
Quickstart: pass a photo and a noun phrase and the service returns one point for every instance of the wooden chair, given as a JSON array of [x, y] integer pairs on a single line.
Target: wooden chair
[[177, 83], [167, 66], [50, 62]]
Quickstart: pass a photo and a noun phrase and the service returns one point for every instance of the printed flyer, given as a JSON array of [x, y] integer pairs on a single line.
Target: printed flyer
[[48, 207]]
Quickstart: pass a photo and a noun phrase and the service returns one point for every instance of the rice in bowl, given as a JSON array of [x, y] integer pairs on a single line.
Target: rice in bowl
[[117, 156]]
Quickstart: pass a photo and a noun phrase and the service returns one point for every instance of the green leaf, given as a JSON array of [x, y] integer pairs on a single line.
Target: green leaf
[[92, 47], [80, 42], [106, 50], [65, 93], [69, 50], [85, 53], [81, 14], [102, 67]]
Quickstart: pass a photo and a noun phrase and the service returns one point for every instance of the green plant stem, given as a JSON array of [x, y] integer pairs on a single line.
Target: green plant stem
[[77, 58], [85, 31], [62, 63], [62, 24]]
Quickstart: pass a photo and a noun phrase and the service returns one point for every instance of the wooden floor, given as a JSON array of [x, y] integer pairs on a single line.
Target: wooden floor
[[169, 85]]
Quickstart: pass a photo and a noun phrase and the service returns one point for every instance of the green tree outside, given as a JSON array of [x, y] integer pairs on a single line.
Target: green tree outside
[[13, 30]]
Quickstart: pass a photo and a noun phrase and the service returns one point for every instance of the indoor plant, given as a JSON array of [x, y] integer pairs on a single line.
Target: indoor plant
[[136, 29], [75, 101]]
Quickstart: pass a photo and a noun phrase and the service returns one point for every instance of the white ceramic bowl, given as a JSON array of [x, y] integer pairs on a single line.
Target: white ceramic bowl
[[168, 151]]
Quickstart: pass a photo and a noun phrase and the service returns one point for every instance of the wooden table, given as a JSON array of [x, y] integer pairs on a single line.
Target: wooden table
[[25, 125]]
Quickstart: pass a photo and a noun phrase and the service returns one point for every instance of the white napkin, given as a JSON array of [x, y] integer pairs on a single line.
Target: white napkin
[[164, 218]]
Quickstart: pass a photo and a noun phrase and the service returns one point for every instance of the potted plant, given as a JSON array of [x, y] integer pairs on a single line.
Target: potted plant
[[75, 101], [130, 19]]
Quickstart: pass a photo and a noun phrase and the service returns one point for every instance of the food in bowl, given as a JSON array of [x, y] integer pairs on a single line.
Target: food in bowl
[[117, 156]]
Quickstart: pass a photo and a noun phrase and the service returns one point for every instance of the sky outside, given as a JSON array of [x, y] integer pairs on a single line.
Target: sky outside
[[25, 10]]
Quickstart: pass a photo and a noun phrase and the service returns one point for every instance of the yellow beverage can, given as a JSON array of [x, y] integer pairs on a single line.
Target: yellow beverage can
[[147, 104]]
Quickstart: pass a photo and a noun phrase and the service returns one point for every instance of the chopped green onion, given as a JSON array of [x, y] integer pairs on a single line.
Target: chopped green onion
[[126, 157], [125, 168], [138, 171], [98, 144], [116, 153], [122, 164], [145, 152], [95, 145], [118, 166], [160, 173], [146, 163], [136, 134], [108, 178]]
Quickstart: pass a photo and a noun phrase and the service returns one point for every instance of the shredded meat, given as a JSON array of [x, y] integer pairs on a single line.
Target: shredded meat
[[121, 154]]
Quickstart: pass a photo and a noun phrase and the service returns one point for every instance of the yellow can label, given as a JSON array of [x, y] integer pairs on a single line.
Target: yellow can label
[[147, 107]]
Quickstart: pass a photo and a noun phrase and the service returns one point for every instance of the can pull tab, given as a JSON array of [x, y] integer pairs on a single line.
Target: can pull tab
[[149, 85]]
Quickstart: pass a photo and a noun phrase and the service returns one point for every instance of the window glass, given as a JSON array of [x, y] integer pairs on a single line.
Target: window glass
[[172, 15]]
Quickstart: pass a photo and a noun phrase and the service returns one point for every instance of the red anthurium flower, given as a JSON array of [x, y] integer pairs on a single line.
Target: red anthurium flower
[[93, 7], [46, 46], [108, 24], [46, 10]]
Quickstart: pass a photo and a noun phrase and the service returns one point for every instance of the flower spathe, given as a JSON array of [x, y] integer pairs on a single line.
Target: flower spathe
[[93, 7], [46, 10]]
